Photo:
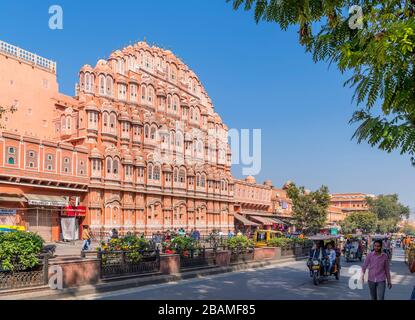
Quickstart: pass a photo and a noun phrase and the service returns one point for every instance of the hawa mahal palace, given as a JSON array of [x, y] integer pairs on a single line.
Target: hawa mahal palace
[[139, 148]]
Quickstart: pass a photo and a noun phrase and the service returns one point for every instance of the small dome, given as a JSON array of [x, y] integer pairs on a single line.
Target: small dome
[[102, 66], [86, 68], [250, 179], [268, 183]]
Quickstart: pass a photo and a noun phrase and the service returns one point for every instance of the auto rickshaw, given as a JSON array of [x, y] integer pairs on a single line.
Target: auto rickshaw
[[353, 250], [319, 267], [262, 237]]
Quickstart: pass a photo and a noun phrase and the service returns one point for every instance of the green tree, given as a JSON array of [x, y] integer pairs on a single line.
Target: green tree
[[309, 208], [389, 211], [408, 229], [377, 49], [365, 221]]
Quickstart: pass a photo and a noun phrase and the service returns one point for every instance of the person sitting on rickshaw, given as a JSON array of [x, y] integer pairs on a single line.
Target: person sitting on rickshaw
[[331, 253], [318, 252]]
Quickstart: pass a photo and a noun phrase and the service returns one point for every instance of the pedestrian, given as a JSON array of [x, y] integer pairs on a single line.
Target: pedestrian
[[379, 271], [86, 237], [114, 234]]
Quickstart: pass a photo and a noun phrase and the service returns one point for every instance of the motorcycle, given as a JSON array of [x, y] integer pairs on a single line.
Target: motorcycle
[[317, 268]]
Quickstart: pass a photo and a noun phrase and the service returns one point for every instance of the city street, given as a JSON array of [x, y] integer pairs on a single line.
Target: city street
[[288, 281]]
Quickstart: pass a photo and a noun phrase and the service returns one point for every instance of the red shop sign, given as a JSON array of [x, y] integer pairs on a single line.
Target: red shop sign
[[72, 211]]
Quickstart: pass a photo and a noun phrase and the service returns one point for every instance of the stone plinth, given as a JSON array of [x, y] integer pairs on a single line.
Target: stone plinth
[[223, 258], [170, 264], [265, 253], [77, 272]]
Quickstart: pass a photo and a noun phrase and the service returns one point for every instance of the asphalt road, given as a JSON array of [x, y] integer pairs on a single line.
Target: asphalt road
[[288, 281]]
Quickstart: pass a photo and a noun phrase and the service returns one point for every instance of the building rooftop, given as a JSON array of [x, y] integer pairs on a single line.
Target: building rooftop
[[28, 57]]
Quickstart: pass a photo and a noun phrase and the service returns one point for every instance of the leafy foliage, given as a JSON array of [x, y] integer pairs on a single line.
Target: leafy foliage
[[132, 245], [380, 57], [19, 250], [365, 221], [280, 242], [240, 242], [309, 208]]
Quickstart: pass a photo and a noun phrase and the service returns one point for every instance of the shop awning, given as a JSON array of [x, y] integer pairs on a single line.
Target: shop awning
[[11, 198], [263, 220], [48, 201], [244, 220], [277, 221]]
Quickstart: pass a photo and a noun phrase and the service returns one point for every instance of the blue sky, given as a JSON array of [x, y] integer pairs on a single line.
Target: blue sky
[[257, 76]]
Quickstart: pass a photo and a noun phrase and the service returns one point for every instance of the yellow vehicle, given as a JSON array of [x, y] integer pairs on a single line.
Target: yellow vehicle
[[11, 228], [261, 237]]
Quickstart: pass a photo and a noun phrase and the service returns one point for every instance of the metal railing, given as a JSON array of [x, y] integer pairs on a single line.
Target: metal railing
[[27, 56], [127, 263], [20, 278], [196, 258]]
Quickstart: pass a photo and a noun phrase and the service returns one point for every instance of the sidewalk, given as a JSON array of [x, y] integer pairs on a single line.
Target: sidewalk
[[71, 249], [139, 281]]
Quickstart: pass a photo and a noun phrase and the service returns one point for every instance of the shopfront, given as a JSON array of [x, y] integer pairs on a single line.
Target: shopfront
[[43, 215], [72, 218]]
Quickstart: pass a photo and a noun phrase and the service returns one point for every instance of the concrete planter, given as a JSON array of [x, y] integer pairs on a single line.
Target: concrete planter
[[170, 264], [223, 258], [266, 253], [77, 272]]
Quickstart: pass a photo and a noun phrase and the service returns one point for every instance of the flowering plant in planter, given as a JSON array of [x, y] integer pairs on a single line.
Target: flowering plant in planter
[[19, 250]]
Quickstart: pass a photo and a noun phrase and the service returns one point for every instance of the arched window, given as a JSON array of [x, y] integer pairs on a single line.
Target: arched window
[[143, 93], [203, 181], [113, 122], [182, 176], [179, 139], [175, 103], [197, 114], [191, 113], [176, 175], [156, 173], [105, 121], [109, 165], [153, 133], [88, 82], [102, 84], [198, 180], [169, 102], [115, 167], [11, 160], [150, 94], [146, 131], [110, 85], [68, 122], [172, 138], [150, 172]]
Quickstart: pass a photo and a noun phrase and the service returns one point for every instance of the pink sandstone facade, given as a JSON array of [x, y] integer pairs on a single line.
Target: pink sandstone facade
[[139, 148], [140, 144]]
